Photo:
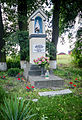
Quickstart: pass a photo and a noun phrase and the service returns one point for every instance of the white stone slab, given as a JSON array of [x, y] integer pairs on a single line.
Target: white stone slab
[[53, 93], [34, 100], [3, 66]]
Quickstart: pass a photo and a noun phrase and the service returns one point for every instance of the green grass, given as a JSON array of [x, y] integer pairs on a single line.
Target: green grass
[[64, 59], [63, 107]]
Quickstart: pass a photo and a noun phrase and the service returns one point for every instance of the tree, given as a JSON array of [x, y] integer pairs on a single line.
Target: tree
[[55, 24], [25, 8], [2, 42], [64, 13]]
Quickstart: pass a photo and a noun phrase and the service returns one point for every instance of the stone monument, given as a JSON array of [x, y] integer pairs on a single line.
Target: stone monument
[[37, 35]]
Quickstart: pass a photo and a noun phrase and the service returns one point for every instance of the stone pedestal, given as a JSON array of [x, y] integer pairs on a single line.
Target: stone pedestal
[[37, 46], [3, 66], [37, 35]]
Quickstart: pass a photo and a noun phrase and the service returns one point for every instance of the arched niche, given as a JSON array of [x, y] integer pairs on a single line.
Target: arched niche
[[39, 20]]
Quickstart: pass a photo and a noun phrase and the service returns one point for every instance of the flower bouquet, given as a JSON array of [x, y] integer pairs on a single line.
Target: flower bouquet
[[43, 62]]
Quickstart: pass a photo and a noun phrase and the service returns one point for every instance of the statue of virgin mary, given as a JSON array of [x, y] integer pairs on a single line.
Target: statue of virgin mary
[[37, 27]]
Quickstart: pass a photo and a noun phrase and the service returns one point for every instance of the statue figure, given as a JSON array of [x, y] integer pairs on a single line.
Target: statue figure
[[37, 27]]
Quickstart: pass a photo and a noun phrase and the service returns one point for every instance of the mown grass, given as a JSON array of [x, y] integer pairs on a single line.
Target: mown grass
[[64, 59]]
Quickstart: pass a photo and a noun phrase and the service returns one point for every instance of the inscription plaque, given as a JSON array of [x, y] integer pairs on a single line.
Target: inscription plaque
[[39, 48]]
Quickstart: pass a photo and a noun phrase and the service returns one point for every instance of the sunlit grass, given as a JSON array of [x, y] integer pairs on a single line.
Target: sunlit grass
[[64, 59]]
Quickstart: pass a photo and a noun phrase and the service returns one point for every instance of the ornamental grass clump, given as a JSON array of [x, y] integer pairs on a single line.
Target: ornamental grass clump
[[16, 109]]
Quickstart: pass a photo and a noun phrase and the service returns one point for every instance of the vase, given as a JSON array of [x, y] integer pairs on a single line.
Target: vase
[[42, 71]]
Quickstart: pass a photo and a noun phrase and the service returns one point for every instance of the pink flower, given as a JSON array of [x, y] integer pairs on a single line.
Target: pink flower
[[39, 62], [34, 60], [43, 60], [46, 58], [38, 58], [48, 61]]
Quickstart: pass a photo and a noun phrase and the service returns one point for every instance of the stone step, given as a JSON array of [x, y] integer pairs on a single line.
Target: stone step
[[35, 67], [34, 73], [41, 82]]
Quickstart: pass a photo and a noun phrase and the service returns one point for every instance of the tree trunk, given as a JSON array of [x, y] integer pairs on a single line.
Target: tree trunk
[[22, 15], [2, 42], [22, 21], [55, 25]]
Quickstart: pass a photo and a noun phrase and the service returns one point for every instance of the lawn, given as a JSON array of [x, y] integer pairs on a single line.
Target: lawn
[[64, 59], [63, 107]]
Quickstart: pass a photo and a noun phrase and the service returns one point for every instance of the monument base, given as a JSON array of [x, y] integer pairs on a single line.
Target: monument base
[[38, 81], [53, 64], [3, 66], [23, 64], [52, 82]]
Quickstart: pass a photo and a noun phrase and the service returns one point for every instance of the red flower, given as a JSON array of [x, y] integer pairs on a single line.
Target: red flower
[[0, 76], [3, 76], [76, 79], [22, 78], [70, 83], [18, 78], [74, 85], [18, 73], [32, 86], [27, 87]]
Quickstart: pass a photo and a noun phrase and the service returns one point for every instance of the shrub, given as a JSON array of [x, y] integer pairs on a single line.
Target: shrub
[[13, 63], [13, 71], [15, 109], [23, 37]]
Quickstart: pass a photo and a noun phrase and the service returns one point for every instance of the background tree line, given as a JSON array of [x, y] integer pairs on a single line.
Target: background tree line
[[16, 14]]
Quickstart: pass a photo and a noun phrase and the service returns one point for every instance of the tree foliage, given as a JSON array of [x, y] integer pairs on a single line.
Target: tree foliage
[[77, 51]]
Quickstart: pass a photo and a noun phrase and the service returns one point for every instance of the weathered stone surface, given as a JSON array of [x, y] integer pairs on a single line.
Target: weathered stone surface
[[41, 82], [53, 93], [26, 70], [3, 66], [33, 74]]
